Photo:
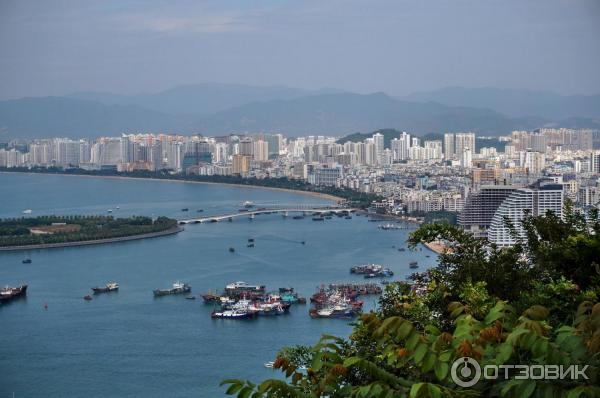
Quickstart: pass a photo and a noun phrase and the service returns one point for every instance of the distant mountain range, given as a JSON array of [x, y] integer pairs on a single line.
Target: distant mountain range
[[516, 103], [217, 109]]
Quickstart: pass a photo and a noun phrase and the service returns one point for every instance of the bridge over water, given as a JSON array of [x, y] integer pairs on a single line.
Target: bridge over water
[[251, 213]]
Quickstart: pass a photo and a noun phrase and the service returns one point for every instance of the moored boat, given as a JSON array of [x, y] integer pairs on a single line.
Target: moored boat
[[178, 288], [27, 261], [109, 287], [413, 265], [10, 293], [232, 314]]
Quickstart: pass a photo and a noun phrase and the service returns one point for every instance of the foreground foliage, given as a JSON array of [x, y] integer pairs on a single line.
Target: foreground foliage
[[536, 303]]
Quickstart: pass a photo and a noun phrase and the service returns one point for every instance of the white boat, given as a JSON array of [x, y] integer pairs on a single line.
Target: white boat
[[28, 211], [269, 364], [248, 204]]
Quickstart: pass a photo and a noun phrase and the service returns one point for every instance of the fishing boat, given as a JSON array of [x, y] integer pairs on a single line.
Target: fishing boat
[[318, 219], [199, 210], [298, 217], [109, 287], [178, 288], [250, 245], [211, 297], [27, 261], [10, 293], [413, 264], [87, 297], [232, 314], [251, 240], [185, 209]]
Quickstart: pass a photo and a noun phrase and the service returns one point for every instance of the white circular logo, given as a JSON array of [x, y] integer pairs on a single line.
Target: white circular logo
[[469, 373]]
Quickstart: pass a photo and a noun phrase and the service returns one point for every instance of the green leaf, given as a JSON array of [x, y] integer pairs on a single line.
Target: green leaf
[[428, 362], [412, 341], [416, 389], [420, 353], [505, 351], [245, 393], [433, 391], [404, 330], [441, 370], [233, 389]]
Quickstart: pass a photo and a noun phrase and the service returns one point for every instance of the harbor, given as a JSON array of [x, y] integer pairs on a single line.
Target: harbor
[[175, 329]]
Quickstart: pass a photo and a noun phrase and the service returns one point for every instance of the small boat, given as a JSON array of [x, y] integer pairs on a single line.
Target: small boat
[[178, 288], [27, 261], [231, 249], [303, 242], [298, 217], [185, 209], [199, 210], [211, 298], [87, 297], [117, 207], [348, 217], [413, 265], [250, 245], [109, 287], [401, 249], [269, 364], [251, 240], [109, 211], [318, 219], [190, 297], [247, 204], [427, 255], [328, 217], [28, 211]]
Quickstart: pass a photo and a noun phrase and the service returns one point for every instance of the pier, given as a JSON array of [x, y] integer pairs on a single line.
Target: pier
[[252, 213]]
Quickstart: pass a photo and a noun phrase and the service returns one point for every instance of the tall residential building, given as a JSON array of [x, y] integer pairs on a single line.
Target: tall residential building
[[400, 146], [534, 201], [260, 150], [246, 146], [378, 141], [480, 208], [462, 141], [449, 146], [241, 164]]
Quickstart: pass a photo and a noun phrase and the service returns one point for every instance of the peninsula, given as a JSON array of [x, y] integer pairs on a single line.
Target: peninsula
[[63, 231]]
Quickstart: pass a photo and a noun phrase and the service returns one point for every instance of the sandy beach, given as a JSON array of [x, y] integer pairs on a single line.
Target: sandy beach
[[308, 193]]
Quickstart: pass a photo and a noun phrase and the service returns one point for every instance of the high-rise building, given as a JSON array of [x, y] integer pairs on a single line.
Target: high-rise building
[[241, 164], [246, 147], [378, 141], [481, 206], [462, 141], [400, 147], [535, 201], [449, 146], [260, 150]]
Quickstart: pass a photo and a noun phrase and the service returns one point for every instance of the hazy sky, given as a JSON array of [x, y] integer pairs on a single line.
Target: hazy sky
[[125, 46]]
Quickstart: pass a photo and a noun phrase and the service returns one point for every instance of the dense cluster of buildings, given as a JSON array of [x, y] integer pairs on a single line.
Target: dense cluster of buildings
[[507, 177]]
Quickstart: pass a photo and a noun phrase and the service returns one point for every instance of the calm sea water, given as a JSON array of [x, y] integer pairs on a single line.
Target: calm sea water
[[128, 344]]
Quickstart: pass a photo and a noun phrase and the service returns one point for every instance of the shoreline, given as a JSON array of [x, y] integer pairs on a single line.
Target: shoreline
[[170, 231], [437, 248], [307, 193]]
